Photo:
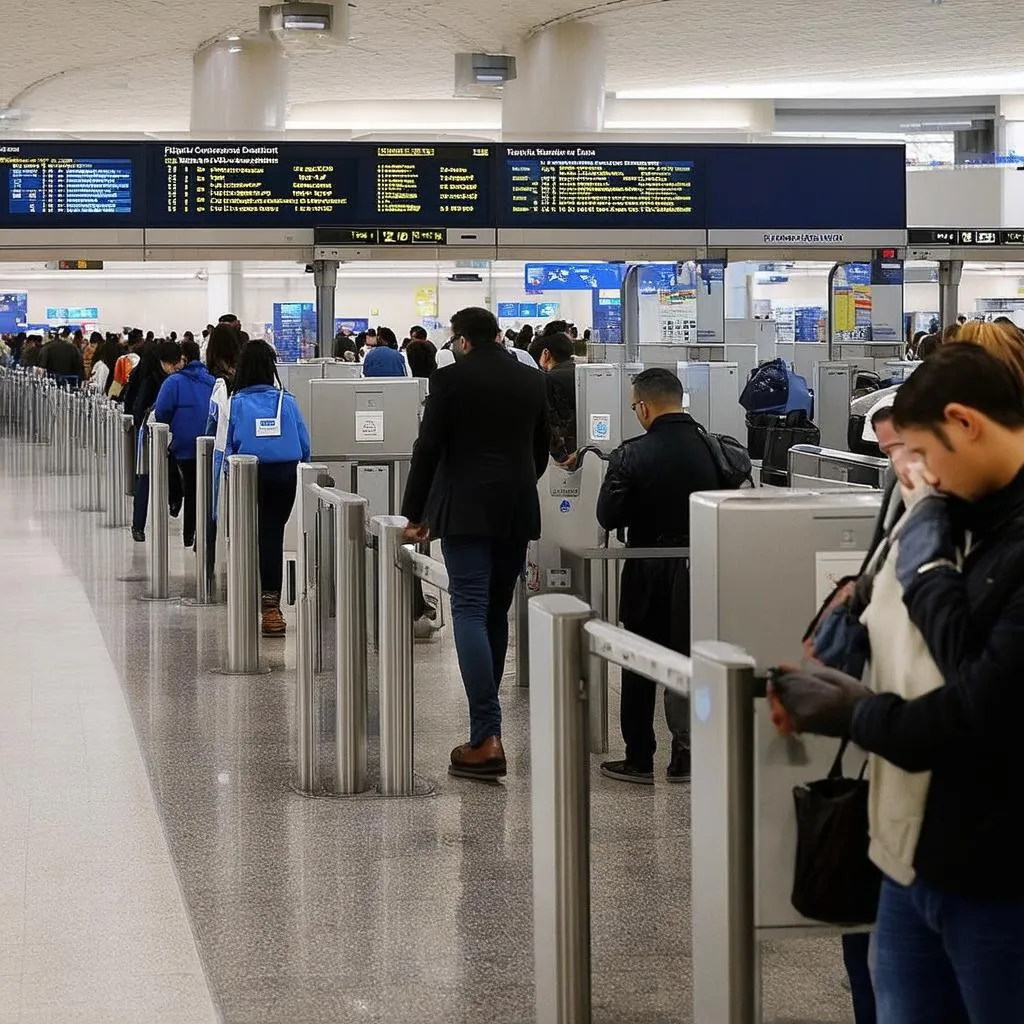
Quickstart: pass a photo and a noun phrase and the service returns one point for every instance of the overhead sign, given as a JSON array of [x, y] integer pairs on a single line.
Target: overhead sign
[[790, 194], [354, 324], [13, 311], [528, 310], [964, 236], [572, 277], [362, 185], [72, 314]]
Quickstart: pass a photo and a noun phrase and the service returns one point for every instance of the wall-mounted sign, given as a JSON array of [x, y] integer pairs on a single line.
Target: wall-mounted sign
[[72, 314]]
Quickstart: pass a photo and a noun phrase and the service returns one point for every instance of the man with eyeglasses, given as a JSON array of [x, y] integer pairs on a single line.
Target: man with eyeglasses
[[482, 447], [646, 492]]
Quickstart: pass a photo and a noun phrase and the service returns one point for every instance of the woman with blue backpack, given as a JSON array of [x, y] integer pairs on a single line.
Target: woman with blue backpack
[[265, 421]]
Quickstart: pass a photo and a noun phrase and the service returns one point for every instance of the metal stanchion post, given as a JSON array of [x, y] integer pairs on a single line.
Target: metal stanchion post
[[243, 567], [395, 597], [560, 788], [204, 517], [97, 451], [128, 441], [351, 639], [726, 966], [158, 513], [522, 612]]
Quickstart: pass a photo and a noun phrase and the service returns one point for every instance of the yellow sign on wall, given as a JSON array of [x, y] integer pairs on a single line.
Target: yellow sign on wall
[[426, 300]]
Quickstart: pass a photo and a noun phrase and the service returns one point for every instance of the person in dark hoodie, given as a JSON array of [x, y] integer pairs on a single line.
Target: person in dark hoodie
[[183, 403]]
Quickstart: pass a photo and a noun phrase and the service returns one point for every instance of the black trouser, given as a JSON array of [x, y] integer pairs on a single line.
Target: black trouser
[[187, 472], [656, 605], [275, 497]]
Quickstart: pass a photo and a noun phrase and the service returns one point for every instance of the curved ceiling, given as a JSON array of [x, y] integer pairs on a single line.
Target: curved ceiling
[[102, 66]]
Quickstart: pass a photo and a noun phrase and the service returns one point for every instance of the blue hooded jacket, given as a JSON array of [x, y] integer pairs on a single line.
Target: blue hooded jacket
[[384, 361], [183, 403], [260, 403]]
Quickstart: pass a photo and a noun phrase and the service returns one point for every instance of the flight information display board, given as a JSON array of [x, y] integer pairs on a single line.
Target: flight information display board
[[84, 185], [364, 185], [598, 186]]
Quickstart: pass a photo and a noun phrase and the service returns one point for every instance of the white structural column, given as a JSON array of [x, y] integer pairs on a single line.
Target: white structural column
[[559, 91], [239, 87], [739, 283], [1010, 125], [224, 290]]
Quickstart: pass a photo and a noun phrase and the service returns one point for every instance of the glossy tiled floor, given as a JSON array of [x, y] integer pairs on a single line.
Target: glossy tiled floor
[[304, 911]]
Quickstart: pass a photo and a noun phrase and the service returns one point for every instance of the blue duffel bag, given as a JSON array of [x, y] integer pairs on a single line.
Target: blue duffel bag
[[774, 388]]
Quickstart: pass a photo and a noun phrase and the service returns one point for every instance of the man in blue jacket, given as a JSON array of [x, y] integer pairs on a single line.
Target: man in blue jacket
[[184, 404]]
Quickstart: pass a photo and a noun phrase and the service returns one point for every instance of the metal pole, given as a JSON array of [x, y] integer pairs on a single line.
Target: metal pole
[[522, 613], [351, 640], [307, 774], [98, 452], [158, 512], [305, 510], [726, 970], [204, 516], [395, 591], [560, 788], [243, 567], [128, 453], [597, 670]]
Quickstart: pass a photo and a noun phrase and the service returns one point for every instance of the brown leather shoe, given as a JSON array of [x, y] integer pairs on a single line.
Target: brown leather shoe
[[273, 621], [485, 761]]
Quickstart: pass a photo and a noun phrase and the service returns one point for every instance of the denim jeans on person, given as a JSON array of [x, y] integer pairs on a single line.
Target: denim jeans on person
[[862, 991], [940, 958], [140, 499], [482, 575]]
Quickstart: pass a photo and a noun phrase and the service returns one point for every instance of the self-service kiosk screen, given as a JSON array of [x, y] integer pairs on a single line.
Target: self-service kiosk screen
[[70, 185], [260, 184], [598, 186]]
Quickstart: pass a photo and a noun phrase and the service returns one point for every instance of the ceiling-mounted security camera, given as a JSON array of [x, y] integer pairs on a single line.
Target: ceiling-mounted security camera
[[483, 74], [301, 17]]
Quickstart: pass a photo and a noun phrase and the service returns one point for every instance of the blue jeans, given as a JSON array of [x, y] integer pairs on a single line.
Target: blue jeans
[[944, 959], [862, 992], [482, 575]]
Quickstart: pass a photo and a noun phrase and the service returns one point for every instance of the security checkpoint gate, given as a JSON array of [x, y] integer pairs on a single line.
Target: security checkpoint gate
[[818, 467]]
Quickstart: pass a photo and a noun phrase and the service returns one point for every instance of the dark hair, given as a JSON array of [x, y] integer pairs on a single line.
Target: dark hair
[[150, 336], [524, 338], [222, 351], [256, 365], [107, 352], [168, 352], [94, 339], [228, 318], [418, 333], [560, 347], [880, 416], [537, 345], [360, 340], [189, 336], [965, 374], [658, 386], [477, 325], [928, 346], [386, 336], [556, 327], [135, 336], [191, 351], [586, 334], [422, 358]]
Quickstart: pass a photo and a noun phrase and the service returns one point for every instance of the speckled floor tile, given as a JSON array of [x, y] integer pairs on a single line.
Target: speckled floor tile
[[369, 910]]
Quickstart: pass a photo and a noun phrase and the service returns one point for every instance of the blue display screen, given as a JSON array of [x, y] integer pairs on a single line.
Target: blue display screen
[[594, 186], [806, 187], [572, 277], [333, 184], [71, 185], [294, 330]]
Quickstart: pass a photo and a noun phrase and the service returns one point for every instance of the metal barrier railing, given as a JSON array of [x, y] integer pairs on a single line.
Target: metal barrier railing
[[811, 465], [342, 569], [243, 646], [720, 682]]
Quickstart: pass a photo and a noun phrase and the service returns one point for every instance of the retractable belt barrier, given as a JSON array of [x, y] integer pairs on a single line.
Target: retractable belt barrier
[[720, 682]]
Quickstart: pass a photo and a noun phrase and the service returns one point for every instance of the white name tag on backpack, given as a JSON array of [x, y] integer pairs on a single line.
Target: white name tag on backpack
[[270, 426]]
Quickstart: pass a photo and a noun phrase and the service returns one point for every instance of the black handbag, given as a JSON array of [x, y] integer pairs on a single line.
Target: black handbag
[[834, 881]]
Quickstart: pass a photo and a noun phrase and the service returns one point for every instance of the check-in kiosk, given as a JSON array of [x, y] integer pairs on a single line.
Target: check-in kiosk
[[762, 563]]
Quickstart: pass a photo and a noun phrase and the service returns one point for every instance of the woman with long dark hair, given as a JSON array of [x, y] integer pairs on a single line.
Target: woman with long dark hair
[[265, 421]]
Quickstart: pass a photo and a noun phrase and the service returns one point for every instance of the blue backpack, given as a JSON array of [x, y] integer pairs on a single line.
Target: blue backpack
[[774, 388]]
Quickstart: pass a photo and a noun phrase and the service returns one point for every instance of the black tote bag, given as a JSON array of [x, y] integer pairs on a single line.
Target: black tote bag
[[834, 881]]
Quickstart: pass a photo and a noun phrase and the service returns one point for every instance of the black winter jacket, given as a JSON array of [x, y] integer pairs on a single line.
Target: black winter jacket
[[967, 733], [62, 359], [646, 491], [561, 390]]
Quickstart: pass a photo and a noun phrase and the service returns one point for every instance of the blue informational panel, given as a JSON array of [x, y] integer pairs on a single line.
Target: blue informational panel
[[528, 310], [294, 330], [657, 277], [508, 310], [606, 315], [548, 310], [816, 187], [572, 277], [887, 272], [354, 324], [72, 314], [13, 312], [806, 322]]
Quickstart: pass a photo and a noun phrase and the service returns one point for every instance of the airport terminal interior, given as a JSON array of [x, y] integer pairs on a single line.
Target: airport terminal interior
[[227, 785]]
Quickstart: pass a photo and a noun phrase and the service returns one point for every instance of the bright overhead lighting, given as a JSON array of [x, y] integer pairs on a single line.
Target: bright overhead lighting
[[948, 85]]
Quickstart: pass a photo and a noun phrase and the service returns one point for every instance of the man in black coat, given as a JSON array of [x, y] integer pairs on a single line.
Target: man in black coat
[[647, 492], [482, 447], [560, 379]]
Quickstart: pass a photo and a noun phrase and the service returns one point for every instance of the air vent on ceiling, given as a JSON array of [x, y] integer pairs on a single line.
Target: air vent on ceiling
[[466, 279], [483, 74]]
